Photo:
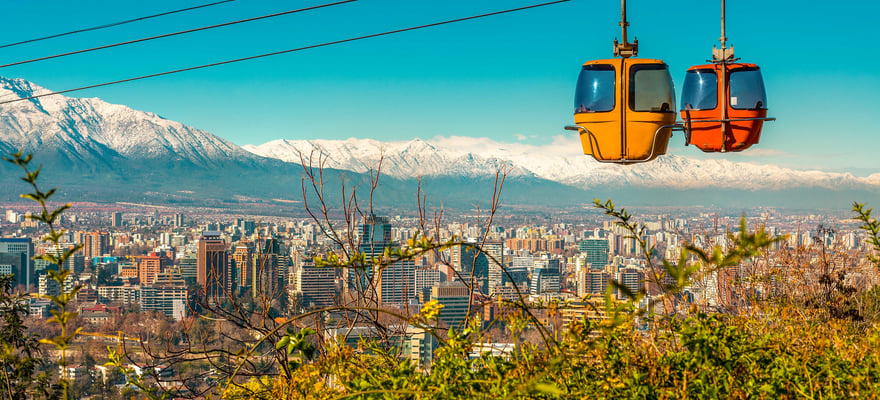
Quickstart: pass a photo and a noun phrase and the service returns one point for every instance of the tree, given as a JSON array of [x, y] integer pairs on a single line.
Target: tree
[[20, 356]]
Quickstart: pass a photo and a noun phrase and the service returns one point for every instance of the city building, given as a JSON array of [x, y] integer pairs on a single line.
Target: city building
[[151, 265], [396, 283], [425, 279], [596, 251], [167, 295], [95, 244], [312, 287], [455, 298], [243, 257], [471, 265], [15, 259], [495, 257], [546, 276], [212, 265]]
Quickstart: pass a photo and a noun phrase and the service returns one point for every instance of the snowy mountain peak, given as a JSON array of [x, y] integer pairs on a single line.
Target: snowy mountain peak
[[92, 129], [561, 161]]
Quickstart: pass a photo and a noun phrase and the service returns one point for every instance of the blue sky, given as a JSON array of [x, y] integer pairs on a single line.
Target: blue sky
[[509, 78]]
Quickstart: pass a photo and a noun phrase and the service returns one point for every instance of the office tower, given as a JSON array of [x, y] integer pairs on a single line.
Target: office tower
[[374, 236], [495, 257], [396, 283], [264, 278], [455, 298], [15, 259], [167, 294], [243, 256], [425, 279], [150, 266], [546, 276], [178, 220], [95, 244], [189, 266], [632, 278], [592, 282], [212, 265], [247, 227], [596, 251], [312, 287], [472, 266], [116, 219]]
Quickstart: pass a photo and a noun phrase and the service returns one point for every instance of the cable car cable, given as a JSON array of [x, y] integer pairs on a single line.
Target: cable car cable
[[110, 25], [175, 33], [287, 51]]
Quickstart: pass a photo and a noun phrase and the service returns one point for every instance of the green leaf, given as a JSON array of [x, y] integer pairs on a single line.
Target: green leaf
[[283, 342]]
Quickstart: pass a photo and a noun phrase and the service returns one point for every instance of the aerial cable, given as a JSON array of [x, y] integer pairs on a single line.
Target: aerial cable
[[110, 25], [175, 33], [285, 51]]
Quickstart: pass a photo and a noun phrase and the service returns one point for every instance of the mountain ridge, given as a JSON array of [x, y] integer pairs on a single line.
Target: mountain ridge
[[98, 151], [562, 166]]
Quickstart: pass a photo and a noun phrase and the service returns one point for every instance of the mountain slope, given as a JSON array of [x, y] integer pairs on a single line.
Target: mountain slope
[[98, 151], [94, 131]]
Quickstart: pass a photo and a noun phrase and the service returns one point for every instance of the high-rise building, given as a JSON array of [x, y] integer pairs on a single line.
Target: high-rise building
[[425, 279], [15, 259], [374, 236], [596, 251], [243, 256], [150, 266], [591, 281], [247, 227], [178, 220], [495, 257], [311, 286], [212, 265], [546, 276], [95, 244], [167, 295], [455, 298], [396, 283], [116, 219], [472, 266], [633, 278], [47, 286], [265, 276], [189, 266]]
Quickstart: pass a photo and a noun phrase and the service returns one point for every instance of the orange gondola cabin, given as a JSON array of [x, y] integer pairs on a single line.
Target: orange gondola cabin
[[624, 107], [621, 106], [724, 106]]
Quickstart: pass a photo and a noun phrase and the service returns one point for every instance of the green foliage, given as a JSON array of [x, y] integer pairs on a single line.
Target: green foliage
[[20, 355], [299, 349], [871, 227], [132, 378], [61, 315]]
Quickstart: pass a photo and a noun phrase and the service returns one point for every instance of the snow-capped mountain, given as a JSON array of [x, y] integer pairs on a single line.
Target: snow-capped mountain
[[99, 151], [90, 129], [411, 159], [560, 161]]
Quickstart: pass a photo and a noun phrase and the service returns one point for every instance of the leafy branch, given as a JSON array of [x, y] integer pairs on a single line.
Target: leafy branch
[[60, 316]]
